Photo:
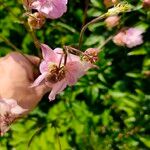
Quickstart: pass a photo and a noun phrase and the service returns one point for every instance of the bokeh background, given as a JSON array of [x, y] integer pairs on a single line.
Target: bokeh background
[[109, 108]]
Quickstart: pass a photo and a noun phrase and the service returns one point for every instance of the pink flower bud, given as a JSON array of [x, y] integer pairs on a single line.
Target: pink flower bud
[[146, 3], [112, 21], [36, 20], [118, 39]]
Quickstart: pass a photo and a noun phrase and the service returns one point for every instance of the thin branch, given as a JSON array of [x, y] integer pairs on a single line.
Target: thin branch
[[105, 42], [35, 39], [9, 43], [85, 12], [86, 26], [14, 48], [32, 32]]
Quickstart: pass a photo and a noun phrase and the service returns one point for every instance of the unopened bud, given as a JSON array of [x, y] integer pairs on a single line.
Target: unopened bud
[[110, 3], [36, 20], [146, 3], [112, 21]]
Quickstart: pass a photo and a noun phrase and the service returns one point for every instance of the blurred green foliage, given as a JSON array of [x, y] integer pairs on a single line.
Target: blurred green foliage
[[109, 108]]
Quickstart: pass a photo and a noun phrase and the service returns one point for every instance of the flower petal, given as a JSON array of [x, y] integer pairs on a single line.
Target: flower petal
[[4, 107], [43, 67], [52, 9], [74, 71], [18, 110], [39, 79], [48, 53], [57, 88]]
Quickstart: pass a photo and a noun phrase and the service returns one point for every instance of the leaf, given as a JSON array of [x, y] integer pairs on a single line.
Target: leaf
[[134, 75], [140, 51], [145, 140]]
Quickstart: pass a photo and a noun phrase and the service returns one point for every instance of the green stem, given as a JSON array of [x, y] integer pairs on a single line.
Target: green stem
[[14, 48], [35, 39], [9, 43], [86, 26], [104, 43]]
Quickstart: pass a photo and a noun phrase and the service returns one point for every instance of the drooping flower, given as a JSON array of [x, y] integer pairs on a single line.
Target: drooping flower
[[52, 9], [129, 37], [112, 21], [9, 112], [58, 71]]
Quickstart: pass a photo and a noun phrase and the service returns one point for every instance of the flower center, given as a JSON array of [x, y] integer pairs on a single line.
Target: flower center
[[55, 73]]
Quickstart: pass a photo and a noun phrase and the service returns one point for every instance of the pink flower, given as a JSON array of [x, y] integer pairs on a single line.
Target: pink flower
[[130, 37], [9, 112], [133, 37], [56, 73], [52, 9], [112, 21]]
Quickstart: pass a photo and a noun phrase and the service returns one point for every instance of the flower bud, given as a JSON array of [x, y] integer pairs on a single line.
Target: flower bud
[[110, 3], [146, 3], [36, 20], [91, 55], [112, 21]]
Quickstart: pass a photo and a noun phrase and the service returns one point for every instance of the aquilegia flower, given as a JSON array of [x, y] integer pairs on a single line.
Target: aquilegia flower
[[58, 70], [52, 9], [129, 37], [9, 112]]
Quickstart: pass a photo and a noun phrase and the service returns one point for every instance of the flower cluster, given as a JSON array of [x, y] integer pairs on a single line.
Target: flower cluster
[[130, 37], [9, 112], [59, 69]]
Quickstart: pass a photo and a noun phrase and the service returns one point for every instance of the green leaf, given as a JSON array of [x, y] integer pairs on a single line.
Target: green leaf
[[140, 51]]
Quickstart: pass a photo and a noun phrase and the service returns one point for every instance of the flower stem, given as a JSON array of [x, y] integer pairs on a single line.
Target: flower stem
[[86, 26], [85, 12], [9, 43], [14, 48], [104, 43]]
